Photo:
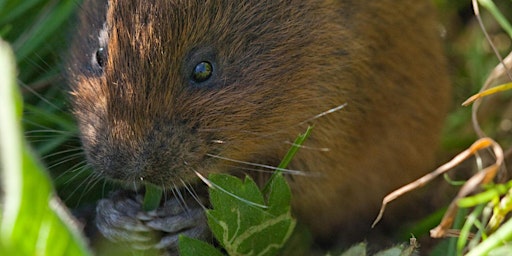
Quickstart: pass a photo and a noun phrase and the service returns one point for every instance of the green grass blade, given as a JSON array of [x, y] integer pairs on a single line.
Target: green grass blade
[[289, 156], [51, 19], [494, 10], [499, 238]]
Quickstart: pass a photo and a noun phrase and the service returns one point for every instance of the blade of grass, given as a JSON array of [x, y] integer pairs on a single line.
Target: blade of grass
[[15, 9], [288, 157], [500, 18], [500, 237], [51, 18], [493, 90]]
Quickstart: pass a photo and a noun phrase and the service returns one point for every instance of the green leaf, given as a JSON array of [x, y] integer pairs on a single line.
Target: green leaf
[[279, 196], [193, 247], [33, 220], [242, 220], [245, 224], [152, 197]]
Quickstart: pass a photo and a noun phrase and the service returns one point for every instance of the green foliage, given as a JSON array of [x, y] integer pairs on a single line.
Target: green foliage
[[497, 14], [190, 246], [483, 230], [486, 230], [30, 25], [37, 31], [33, 221], [152, 197], [249, 228], [245, 220], [289, 155]]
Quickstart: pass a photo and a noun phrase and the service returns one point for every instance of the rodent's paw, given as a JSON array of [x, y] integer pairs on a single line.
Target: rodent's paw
[[117, 219], [120, 218], [174, 219]]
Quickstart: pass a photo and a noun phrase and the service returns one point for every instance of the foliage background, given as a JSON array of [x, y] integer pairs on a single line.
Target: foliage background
[[39, 31]]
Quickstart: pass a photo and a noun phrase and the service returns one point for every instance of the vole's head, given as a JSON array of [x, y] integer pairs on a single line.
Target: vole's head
[[161, 86]]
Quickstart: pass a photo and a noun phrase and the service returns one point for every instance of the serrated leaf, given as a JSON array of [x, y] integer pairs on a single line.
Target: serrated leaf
[[244, 224], [193, 247], [279, 196], [229, 211]]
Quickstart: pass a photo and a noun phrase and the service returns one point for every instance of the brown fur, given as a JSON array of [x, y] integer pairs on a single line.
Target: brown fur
[[279, 63]]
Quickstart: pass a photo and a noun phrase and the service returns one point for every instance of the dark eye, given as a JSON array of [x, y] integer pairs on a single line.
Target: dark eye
[[202, 72], [101, 57]]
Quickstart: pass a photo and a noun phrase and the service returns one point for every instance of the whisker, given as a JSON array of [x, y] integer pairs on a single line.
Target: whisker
[[94, 179], [287, 171], [266, 135], [135, 184], [178, 195], [215, 186], [165, 190], [67, 159], [181, 198], [332, 110], [90, 183], [49, 130], [32, 91], [307, 147], [194, 195], [165, 193], [76, 173], [79, 167], [226, 130], [35, 124], [77, 188], [42, 139], [64, 152], [104, 187], [249, 169]]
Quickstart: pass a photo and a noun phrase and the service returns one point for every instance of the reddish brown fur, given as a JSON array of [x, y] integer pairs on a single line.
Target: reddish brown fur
[[279, 63]]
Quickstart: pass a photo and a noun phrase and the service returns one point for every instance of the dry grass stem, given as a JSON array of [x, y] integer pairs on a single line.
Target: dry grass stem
[[472, 185]]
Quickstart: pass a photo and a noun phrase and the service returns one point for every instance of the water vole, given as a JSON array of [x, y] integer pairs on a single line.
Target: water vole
[[163, 88]]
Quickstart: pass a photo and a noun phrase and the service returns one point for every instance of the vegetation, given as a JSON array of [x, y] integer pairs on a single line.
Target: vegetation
[[37, 31]]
